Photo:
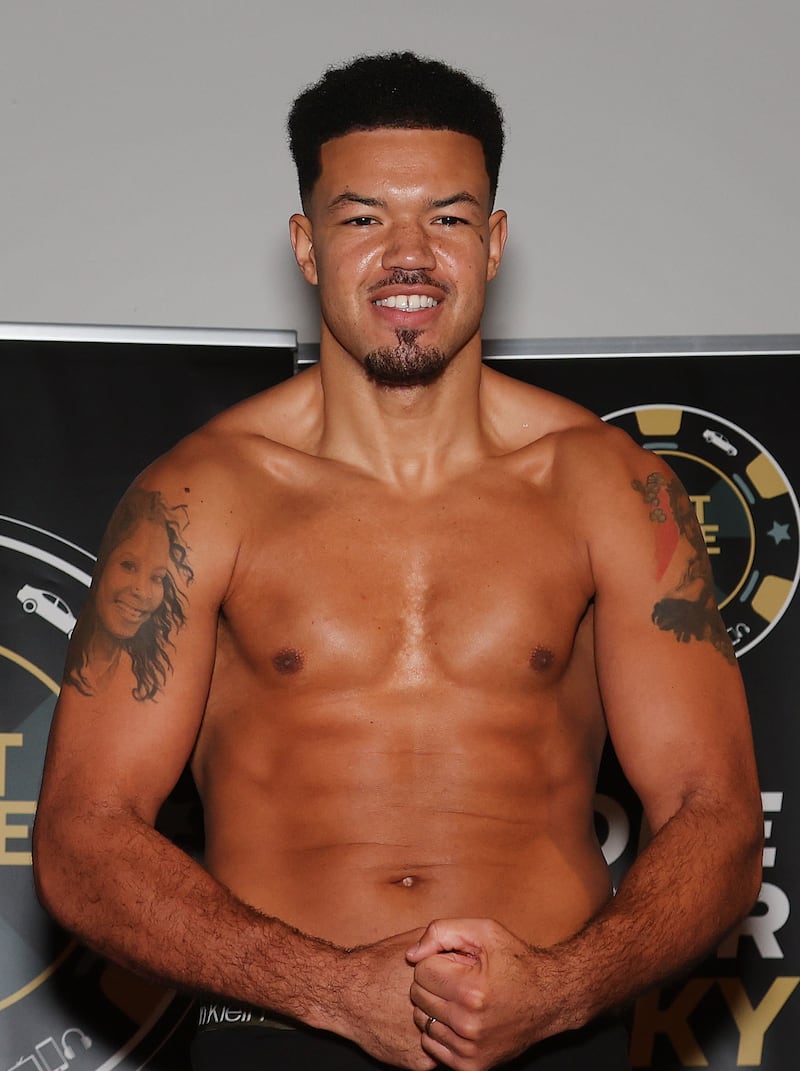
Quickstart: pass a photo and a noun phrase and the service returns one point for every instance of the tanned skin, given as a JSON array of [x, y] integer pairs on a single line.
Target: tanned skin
[[416, 598]]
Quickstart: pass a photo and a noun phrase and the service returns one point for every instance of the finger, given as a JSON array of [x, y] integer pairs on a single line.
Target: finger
[[446, 935], [443, 978], [441, 1042], [447, 1057], [425, 1021], [433, 996], [438, 1023]]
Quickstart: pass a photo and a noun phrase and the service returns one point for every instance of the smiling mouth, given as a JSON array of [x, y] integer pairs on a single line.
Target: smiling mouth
[[407, 302], [132, 613]]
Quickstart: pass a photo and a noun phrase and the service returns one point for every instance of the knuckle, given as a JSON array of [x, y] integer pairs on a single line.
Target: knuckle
[[475, 999]]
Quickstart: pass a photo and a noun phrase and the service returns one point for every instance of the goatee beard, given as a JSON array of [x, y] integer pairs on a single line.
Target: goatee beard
[[407, 364]]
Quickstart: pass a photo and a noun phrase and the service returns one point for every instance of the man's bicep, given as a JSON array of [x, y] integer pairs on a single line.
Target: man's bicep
[[679, 724], [672, 691], [112, 748], [138, 602], [140, 659]]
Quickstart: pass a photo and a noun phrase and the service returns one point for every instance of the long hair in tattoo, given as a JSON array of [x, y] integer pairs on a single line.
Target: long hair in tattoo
[[151, 636]]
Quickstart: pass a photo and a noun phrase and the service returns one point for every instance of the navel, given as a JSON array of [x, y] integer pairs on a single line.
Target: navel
[[407, 882], [288, 661], [541, 659]]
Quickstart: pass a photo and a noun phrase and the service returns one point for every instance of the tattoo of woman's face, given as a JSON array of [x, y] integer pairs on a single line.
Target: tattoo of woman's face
[[137, 600], [690, 610]]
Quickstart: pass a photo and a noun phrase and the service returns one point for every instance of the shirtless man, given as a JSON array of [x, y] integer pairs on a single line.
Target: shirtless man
[[415, 596]]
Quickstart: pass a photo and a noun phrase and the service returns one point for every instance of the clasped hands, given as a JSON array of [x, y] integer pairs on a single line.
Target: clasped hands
[[471, 993]]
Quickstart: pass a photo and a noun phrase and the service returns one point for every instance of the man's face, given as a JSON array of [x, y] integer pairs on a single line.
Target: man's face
[[400, 240]]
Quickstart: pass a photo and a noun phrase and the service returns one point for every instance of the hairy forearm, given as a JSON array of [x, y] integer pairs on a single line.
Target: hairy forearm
[[136, 898], [493, 995], [693, 882]]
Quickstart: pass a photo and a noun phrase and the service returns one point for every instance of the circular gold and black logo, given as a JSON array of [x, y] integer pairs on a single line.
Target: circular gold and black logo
[[746, 507], [60, 1004]]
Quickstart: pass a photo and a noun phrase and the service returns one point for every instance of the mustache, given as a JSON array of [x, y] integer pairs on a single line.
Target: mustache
[[418, 277]]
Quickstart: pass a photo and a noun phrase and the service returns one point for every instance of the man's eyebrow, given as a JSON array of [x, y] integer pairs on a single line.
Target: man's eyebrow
[[350, 198], [463, 197]]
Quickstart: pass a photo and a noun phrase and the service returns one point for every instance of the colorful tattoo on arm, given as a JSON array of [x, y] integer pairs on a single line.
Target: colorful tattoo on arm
[[690, 611], [137, 599]]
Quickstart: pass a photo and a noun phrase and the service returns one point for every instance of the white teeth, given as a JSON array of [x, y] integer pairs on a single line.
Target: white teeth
[[409, 302]]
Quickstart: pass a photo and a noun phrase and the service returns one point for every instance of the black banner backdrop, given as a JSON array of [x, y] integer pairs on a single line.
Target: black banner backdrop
[[84, 409], [726, 421]]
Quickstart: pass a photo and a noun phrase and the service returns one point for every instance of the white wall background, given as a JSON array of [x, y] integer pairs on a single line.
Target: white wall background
[[652, 173]]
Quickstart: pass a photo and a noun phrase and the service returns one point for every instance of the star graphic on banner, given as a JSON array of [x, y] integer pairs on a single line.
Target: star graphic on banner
[[779, 532]]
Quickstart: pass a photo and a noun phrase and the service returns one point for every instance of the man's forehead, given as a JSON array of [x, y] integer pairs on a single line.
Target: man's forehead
[[419, 135], [399, 150]]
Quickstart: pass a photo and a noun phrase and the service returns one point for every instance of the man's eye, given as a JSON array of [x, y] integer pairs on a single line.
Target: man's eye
[[360, 221], [450, 221]]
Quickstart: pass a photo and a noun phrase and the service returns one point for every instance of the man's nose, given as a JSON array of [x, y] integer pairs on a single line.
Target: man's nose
[[408, 246]]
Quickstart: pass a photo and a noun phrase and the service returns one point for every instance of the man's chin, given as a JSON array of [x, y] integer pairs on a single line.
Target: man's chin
[[405, 365], [403, 381]]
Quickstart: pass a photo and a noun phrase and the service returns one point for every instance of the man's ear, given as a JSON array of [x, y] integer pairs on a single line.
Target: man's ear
[[498, 232], [300, 234]]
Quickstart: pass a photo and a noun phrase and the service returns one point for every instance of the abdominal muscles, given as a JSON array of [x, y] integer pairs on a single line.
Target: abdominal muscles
[[356, 820]]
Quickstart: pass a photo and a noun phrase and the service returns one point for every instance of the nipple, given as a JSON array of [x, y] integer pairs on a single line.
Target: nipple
[[287, 661], [541, 658]]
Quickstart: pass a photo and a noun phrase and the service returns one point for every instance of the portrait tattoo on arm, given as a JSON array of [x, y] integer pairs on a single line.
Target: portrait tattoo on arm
[[137, 599], [690, 611]]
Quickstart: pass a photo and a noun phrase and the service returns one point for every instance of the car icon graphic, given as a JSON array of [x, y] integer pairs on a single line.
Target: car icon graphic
[[47, 605], [719, 440]]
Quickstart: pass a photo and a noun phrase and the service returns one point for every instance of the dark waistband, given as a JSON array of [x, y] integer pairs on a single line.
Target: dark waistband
[[224, 1040], [213, 1015]]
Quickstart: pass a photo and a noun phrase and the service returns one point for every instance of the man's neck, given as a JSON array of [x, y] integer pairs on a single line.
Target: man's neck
[[408, 436]]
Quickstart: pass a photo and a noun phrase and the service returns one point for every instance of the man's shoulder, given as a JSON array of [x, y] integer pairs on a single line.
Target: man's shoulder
[[525, 413], [263, 432], [551, 430], [286, 414], [283, 415]]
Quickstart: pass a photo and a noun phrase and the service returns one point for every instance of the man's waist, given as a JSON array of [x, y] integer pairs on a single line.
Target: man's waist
[[349, 903]]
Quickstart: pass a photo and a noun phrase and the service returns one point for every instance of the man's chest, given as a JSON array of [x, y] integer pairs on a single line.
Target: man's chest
[[463, 585]]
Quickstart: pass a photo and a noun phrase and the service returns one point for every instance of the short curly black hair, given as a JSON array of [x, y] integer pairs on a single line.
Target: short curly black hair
[[396, 89]]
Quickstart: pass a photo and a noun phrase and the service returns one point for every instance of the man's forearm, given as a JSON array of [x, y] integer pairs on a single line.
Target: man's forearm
[[139, 900], [692, 883], [492, 995]]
